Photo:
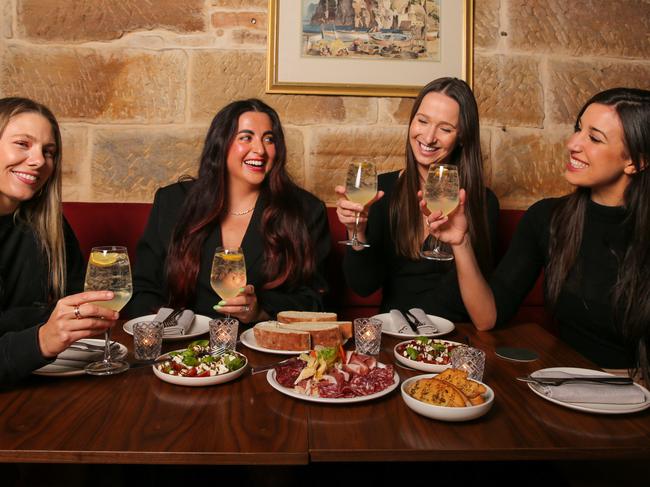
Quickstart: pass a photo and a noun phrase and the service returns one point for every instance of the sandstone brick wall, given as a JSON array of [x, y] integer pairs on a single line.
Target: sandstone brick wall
[[136, 82]]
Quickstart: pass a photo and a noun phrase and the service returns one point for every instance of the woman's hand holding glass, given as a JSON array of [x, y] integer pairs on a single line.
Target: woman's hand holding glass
[[351, 213], [243, 306], [451, 229], [75, 317]]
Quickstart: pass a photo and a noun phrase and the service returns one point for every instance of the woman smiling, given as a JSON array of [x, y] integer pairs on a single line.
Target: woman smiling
[[242, 197]]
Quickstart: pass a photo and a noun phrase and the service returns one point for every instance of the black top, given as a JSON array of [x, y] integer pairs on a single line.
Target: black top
[[24, 303], [584, 311], [149, 278], [405, 283]]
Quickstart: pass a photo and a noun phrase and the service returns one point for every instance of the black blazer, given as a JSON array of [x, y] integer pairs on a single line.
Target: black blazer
[[149, 278]]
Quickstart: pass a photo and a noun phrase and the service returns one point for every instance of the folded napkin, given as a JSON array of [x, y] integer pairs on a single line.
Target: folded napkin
[[585, 392], [422, 316], [397, 322], [80, 355], [183, 322]]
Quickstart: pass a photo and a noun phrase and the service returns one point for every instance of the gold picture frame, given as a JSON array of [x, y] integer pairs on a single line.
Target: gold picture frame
[[292, 71]]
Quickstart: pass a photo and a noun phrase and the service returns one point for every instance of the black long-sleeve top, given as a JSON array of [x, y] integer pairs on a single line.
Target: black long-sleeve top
[[149, 278], [405, 283], [584, 310], [24, 305]]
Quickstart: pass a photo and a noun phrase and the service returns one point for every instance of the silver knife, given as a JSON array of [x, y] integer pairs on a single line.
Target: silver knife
[[556, 381]]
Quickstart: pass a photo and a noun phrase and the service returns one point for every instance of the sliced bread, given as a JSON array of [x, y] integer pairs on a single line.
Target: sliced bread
[[438, 393], [325, 334], [345, 327], [269, 334], [299, 316]]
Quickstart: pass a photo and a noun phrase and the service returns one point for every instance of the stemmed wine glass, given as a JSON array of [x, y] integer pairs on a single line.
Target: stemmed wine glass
[[109, 270], [440, 193], [228, 273], [360, 187]]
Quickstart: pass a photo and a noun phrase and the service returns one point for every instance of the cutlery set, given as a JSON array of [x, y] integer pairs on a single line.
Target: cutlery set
[[556, 381], [417, 325]]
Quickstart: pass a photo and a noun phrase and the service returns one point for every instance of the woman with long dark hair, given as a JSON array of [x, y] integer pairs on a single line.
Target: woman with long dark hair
[[242, 197], [40, 260], [592, 244], [443, 129]]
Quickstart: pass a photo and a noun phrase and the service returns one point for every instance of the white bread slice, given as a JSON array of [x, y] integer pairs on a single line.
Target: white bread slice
[[345, 327], [269, 334], [301, 316], [325, 334]]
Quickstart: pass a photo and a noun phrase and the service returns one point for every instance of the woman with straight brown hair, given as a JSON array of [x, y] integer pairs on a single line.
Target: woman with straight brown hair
[[40, 261], [443, 129]]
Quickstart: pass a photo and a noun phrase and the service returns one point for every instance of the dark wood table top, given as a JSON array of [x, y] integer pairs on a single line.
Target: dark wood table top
[[136, 418]]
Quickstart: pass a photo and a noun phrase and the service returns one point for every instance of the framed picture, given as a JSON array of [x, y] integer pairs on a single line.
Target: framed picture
[[367, 47]]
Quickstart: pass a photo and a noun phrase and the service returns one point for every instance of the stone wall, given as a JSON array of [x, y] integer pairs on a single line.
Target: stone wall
[[135, 84]]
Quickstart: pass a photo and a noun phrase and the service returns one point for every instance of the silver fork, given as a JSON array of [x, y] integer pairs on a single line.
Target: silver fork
[[172, 319], [421, 327]]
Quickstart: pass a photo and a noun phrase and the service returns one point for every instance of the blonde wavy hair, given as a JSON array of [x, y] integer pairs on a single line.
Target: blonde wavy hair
[[43, 213]]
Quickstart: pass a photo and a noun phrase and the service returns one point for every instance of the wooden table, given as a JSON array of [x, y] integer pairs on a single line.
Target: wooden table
[[135, 418]]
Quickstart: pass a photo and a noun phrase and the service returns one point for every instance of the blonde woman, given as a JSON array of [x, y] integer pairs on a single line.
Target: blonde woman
[[40, 261]]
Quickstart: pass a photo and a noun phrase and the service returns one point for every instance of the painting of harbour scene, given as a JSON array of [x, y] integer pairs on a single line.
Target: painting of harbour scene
[[371, 29]]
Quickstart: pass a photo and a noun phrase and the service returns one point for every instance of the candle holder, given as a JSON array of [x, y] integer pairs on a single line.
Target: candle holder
[[471, 360], [223, 334], [367, 335], [147, 339]]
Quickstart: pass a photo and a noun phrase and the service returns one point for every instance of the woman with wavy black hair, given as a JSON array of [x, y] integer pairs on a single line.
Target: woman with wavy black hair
[[443, 129], [592, 244], [242, 197]]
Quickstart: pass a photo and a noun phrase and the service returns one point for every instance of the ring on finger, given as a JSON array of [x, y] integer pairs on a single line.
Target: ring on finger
[[245, 308], [77, 313]]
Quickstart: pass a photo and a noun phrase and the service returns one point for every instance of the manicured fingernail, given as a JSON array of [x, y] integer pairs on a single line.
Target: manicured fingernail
[[241, 289], [216, 307], [221, 303]]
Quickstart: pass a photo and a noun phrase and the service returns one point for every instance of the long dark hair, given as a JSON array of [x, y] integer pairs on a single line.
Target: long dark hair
[[631, 294], [405, 216], [288, 250], [43, 212]]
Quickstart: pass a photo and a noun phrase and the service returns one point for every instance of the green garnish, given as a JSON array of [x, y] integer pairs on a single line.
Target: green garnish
[[233, 362], [412, 353], [422, 340]]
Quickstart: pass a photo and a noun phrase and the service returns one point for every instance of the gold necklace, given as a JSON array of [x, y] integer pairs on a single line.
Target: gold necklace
[[240, 213]]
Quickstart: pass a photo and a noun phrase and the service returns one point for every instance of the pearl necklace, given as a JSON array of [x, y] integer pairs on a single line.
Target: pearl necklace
[[241, 213]]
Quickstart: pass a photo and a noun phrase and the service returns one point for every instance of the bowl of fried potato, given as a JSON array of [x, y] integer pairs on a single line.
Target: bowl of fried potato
[[448, 396]]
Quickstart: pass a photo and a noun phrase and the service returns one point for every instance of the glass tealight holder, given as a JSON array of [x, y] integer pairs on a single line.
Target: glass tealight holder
[[147, 339], [223, 334], [367, 335], [471, 360]]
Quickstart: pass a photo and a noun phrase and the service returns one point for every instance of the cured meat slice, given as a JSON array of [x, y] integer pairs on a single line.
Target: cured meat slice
[[287, 373]]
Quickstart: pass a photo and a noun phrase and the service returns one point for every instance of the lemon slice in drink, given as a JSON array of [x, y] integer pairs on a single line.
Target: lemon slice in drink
[[230, 257], [102, 259]]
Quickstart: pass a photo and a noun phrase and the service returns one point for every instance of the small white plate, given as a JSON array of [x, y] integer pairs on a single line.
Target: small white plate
[[592, 407], [270, 377], [444, 413], [444, 327], [199, 381], [248, 338], [65, 367], [424, 367], [199, 326]]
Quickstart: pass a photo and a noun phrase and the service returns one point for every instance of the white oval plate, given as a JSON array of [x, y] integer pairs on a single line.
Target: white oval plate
[[200, 325], [248, 338], [198, 381], [270, 377], [424, 367], [446, 413], [444, 327], [592, 407], [65, 367]]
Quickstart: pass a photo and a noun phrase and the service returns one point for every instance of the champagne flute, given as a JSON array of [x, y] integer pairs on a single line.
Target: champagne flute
[[228, 273], [109, 270], [361, 188], [440, 193]]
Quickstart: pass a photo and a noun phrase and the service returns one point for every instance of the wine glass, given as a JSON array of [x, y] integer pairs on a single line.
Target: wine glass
[[109, 270], [360, 187], [440, 193], [228, 273]]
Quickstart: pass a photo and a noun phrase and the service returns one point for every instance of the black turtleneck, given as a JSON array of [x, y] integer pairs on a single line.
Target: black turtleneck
[[584, 310]]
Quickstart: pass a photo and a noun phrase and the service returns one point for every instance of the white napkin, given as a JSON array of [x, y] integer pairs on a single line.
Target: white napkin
[[585, 392], [397, 322], [183, 323], [80, 355], [422, 316]]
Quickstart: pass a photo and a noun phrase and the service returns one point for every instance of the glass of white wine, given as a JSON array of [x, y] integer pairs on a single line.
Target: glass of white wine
[[109, 270], [360, 187], [440, 193], [228, 273]]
